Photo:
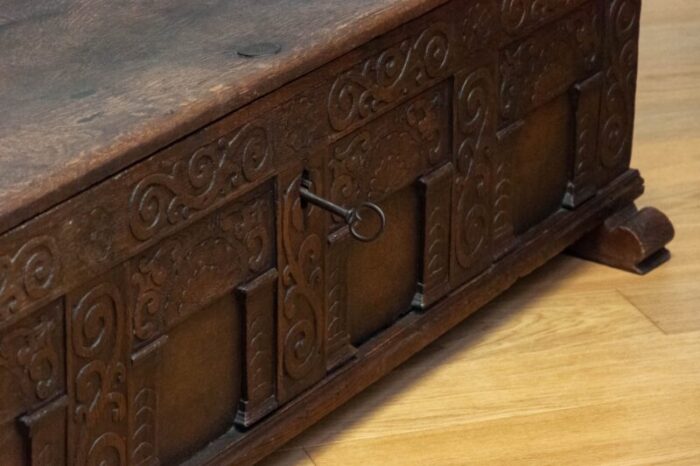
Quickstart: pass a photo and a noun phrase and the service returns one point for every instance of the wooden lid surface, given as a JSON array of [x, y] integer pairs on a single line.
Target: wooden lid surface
[[88, 87]]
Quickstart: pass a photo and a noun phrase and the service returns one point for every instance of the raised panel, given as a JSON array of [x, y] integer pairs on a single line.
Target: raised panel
[[200, 380]]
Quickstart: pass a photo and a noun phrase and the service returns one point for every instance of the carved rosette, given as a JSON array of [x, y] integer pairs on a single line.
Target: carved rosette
[[32, 273], [98, 375], [621, 32], [163, 200], [398, 71], [302, 318], [472, 216], [479, 27]]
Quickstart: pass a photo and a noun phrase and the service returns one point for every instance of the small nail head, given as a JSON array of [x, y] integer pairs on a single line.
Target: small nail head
[[260, 49]]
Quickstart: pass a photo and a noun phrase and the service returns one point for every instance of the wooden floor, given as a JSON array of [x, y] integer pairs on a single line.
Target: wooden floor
[[578, 364]]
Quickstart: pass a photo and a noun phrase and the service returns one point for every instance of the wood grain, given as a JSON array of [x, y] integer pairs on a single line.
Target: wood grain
[[89, 87], [578, 363]]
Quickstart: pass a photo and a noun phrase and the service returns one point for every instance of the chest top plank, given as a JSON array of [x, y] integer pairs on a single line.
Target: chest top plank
[[88, 87]]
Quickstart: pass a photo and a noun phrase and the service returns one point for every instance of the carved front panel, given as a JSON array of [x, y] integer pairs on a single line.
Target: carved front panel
[[519, 16], [547, 63], [392, 152], [190, 269]]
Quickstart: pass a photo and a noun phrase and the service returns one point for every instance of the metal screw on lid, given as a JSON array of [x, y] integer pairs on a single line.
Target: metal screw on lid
[[260, 49]]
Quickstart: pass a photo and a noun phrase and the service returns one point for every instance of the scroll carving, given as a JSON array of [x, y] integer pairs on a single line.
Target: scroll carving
[[98, 375], [518, 16], [622, 29], [391, 152], [472, 216], [302, 318], [31, 354], [184, 272], [548, 62], [409, 66], [194, 183], [28, 275]]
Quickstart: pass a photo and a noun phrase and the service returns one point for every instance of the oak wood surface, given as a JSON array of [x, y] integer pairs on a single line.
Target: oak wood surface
[[89, 87], [579, 363]]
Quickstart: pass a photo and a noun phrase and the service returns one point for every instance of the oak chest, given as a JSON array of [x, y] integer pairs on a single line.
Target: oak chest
[[220, 220]]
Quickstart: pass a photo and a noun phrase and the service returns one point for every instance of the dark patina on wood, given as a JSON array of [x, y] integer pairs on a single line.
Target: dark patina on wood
[[168, 292]]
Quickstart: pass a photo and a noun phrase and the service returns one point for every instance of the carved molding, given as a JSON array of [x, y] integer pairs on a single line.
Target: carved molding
[[257, 299], [194, 183], [338, 346], [586, 105], [435, 192], [390, 75]]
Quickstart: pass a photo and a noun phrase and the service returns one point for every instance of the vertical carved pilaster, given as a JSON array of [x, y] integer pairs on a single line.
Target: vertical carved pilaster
[[143, 404], [586, 104], [338, 346], [475, 104], [97, 366], [45, 429], [301, 316], [503, 231], [617, 104], [257, 299], [435, 192]]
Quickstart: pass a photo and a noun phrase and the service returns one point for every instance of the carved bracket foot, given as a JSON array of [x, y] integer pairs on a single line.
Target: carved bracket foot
[[631, 239]]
